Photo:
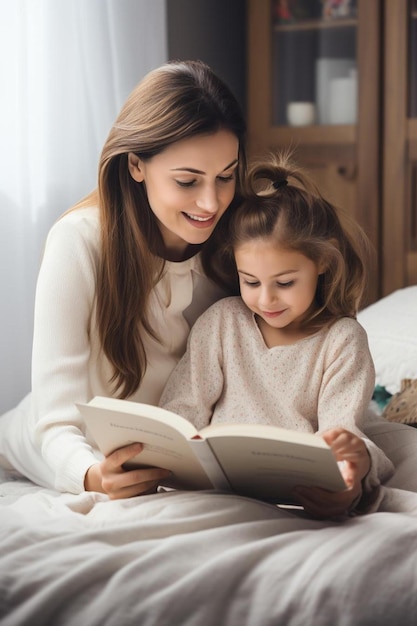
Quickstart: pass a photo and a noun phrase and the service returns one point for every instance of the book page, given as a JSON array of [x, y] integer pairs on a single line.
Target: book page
[[264, 431], [116, 423], [269, 469]]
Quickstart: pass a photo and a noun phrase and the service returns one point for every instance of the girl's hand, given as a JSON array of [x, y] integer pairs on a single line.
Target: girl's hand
[[109, 476], [352, 450], [348, 447]]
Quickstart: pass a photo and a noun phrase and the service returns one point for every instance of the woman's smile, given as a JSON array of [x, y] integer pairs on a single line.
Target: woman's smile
[[199, 221]]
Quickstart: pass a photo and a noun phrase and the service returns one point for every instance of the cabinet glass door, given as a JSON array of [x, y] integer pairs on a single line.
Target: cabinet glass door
[[314, 62]]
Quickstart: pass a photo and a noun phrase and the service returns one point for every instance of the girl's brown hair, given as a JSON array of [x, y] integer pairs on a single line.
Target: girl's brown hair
[[283, 205], [178, 100]]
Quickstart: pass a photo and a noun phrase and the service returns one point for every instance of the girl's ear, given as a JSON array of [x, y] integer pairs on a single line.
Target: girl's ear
[[134, 165]]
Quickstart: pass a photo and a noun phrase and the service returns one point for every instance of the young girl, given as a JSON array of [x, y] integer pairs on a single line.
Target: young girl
[[289, 351], [125, 274]]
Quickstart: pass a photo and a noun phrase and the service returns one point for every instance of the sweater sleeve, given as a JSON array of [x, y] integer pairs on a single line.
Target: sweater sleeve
[[348, 377], [196, 383], [61, 350], [346, 392]]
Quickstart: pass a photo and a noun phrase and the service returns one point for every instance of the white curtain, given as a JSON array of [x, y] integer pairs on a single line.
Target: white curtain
[[66, 67]]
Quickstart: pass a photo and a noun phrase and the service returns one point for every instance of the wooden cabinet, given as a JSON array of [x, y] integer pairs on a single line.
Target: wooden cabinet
[[399, 169], [366, 164]]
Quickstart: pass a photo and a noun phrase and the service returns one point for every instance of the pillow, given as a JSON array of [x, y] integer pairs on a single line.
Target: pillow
[[391, 325]]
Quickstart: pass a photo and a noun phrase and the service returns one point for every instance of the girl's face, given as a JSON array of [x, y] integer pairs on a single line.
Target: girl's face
[[189, 186], [277, 284]]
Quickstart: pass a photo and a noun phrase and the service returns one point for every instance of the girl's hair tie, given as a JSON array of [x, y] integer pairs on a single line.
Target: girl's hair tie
[[280, 183]]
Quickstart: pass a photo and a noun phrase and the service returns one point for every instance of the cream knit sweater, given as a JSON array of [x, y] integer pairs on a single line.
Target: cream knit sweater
[[44, 437], [228, 374]]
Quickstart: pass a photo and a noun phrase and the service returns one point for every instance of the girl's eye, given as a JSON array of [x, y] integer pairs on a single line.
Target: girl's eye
[[249, 284], [183, 183], [288, 284]]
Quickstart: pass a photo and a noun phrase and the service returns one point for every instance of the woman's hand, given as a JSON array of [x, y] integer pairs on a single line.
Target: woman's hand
[[111, 478], [352, 450]]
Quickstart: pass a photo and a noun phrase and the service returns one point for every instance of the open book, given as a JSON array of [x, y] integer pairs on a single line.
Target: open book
[[254, 460]]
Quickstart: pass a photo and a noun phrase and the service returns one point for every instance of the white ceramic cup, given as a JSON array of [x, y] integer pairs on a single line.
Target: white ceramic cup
[[301, 113]]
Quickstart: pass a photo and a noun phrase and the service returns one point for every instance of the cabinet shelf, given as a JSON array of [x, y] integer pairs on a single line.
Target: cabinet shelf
[[316, 25], [334, 134]]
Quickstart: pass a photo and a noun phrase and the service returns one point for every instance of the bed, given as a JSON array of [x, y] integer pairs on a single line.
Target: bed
[[211, 558]]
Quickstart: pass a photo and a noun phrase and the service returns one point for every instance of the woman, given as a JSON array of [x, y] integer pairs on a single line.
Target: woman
[[125, 273]]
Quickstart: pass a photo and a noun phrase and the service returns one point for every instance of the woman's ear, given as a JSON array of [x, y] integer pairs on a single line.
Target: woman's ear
[[322, 267], [324, 262], [134, 165]]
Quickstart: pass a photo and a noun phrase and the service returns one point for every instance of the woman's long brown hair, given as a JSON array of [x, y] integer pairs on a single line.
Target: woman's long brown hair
[[176, 101]]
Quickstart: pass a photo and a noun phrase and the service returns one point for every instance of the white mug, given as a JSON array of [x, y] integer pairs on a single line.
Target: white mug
[[301, 113]]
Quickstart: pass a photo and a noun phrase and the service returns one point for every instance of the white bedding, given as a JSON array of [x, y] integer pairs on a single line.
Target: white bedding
[[201, 559], [390, 324]]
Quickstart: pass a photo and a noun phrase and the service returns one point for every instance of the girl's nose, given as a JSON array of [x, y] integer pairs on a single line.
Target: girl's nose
[[266, 297]]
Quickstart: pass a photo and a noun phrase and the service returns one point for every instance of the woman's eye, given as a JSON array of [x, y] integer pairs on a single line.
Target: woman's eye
[[254, 284], [226, 179], [288, 284], [185, 183]]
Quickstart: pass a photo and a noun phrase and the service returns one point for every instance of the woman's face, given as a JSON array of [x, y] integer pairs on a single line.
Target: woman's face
[[189, 186]]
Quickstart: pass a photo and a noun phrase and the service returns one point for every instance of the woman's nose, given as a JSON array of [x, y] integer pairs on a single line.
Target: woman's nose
[[208, 200]]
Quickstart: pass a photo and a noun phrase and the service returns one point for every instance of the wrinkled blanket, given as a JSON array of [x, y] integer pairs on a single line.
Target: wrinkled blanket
[[201, 558]]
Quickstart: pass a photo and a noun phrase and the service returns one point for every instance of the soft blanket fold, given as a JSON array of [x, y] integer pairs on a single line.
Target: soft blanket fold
[[193, 558]]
